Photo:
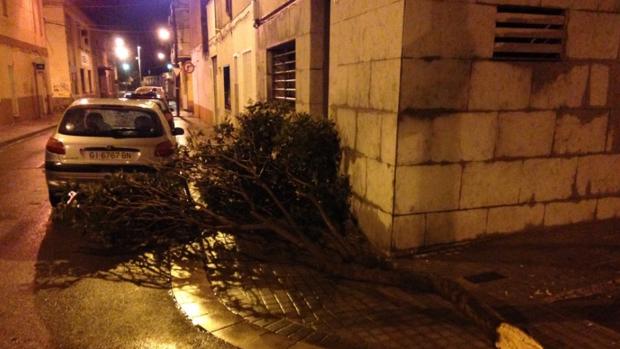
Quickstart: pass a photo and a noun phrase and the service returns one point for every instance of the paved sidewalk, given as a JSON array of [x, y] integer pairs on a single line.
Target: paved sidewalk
[[561, 285], [301, 307], [23, 129]]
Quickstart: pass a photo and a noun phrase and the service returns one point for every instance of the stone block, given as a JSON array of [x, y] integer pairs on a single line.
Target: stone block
[[563, 213], [409, 231], [380, 184], [608, 208], [448, 29], [427, 188], [593, 35], [613, 132], [614, 85], [338, 84], [346, 124], [525, 134], [499, 86], [345, 43], [572, 4], [491, 184], [357, 175], [510, 219], [358, 85], [463, 137], [581, 132], [368, 140], [414, 139], [303, 86], [598, 174], [444, 227], [599, 85], [558, 85], [439, 83], [382, 32], [548, 179], [389, 130], [384, 84], [347, 9], [376, 224], [609, 5]]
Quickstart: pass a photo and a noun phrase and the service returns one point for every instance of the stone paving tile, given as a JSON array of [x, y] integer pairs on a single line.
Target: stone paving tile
[[543, 272], [332, 313]]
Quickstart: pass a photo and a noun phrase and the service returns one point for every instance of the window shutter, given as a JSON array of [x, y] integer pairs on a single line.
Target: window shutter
[[529, 33]]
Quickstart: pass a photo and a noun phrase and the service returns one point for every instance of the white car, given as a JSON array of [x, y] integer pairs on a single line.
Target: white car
[[96, 137], [157, 89]]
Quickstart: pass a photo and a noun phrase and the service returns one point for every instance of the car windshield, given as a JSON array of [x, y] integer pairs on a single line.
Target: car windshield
[[118, 122]]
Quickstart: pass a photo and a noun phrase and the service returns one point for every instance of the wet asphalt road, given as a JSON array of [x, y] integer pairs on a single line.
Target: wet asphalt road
[[58, 294]]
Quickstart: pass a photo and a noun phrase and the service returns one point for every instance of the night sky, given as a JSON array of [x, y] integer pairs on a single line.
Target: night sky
[[136, 21]]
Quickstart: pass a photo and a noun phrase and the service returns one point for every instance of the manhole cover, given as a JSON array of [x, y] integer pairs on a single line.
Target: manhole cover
[[484, 277]]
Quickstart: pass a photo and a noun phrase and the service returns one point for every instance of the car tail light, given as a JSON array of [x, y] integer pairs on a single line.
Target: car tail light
[[55, 146], [164, 149]]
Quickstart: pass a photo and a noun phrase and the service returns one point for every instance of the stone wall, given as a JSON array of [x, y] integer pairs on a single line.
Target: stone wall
[[22, 43], [488, 146], [303, 22], [364, 78]]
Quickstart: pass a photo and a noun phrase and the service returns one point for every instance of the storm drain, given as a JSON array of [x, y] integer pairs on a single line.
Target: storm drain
[[484, 277]]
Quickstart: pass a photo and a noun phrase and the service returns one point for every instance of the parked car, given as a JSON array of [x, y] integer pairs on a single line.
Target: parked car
[[162, 102], [157, 89], [96, 137]]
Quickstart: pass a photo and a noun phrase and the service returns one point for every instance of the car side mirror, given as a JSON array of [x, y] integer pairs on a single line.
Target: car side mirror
[[177, 131], [171, 109]]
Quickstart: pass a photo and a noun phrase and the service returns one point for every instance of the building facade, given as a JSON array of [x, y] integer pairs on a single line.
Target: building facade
[[458, 118], [182, 51], [73, 58], [24, 68]]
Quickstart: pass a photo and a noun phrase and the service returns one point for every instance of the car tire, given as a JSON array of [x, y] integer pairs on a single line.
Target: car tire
[[55, 198]]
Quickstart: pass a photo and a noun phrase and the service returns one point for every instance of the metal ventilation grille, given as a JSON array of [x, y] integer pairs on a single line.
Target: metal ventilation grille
[[529, 33], [283, 72]]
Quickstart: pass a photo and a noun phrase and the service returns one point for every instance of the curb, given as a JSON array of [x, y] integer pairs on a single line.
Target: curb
[[26, 135], [193, 295]]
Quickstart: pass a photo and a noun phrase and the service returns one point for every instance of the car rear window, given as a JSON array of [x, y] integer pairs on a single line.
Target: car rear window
[[110, 122]]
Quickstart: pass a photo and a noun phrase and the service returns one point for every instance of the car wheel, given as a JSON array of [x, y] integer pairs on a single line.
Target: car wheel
[[55, 198]]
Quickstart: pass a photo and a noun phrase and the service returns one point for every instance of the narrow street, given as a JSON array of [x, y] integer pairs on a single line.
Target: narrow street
[[59, 294]]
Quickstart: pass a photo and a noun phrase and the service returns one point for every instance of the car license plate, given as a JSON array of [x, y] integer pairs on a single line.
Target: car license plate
[[109, 155]]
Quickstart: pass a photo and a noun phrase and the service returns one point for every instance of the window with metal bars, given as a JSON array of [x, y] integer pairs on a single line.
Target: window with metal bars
[[226, 76], [283, 77], [529, 33]]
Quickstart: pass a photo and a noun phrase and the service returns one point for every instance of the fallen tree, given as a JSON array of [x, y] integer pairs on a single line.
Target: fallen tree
[[272, 174]]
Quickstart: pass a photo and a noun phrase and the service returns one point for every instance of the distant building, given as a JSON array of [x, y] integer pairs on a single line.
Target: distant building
[[182, 51], [24, 66], [76, 61], [459, 119]]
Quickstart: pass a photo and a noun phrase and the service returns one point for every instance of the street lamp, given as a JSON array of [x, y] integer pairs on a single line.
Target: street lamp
[[119, 42], [125, 66], [169, 66], [161, 56], [163, 34], [139, 58], [121, 52]]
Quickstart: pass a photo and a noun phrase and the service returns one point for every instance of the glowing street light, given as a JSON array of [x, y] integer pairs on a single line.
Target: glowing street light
[[163, 34], [169, 66], [119, 42], [121, 52], [125, 66], [161, 56]]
